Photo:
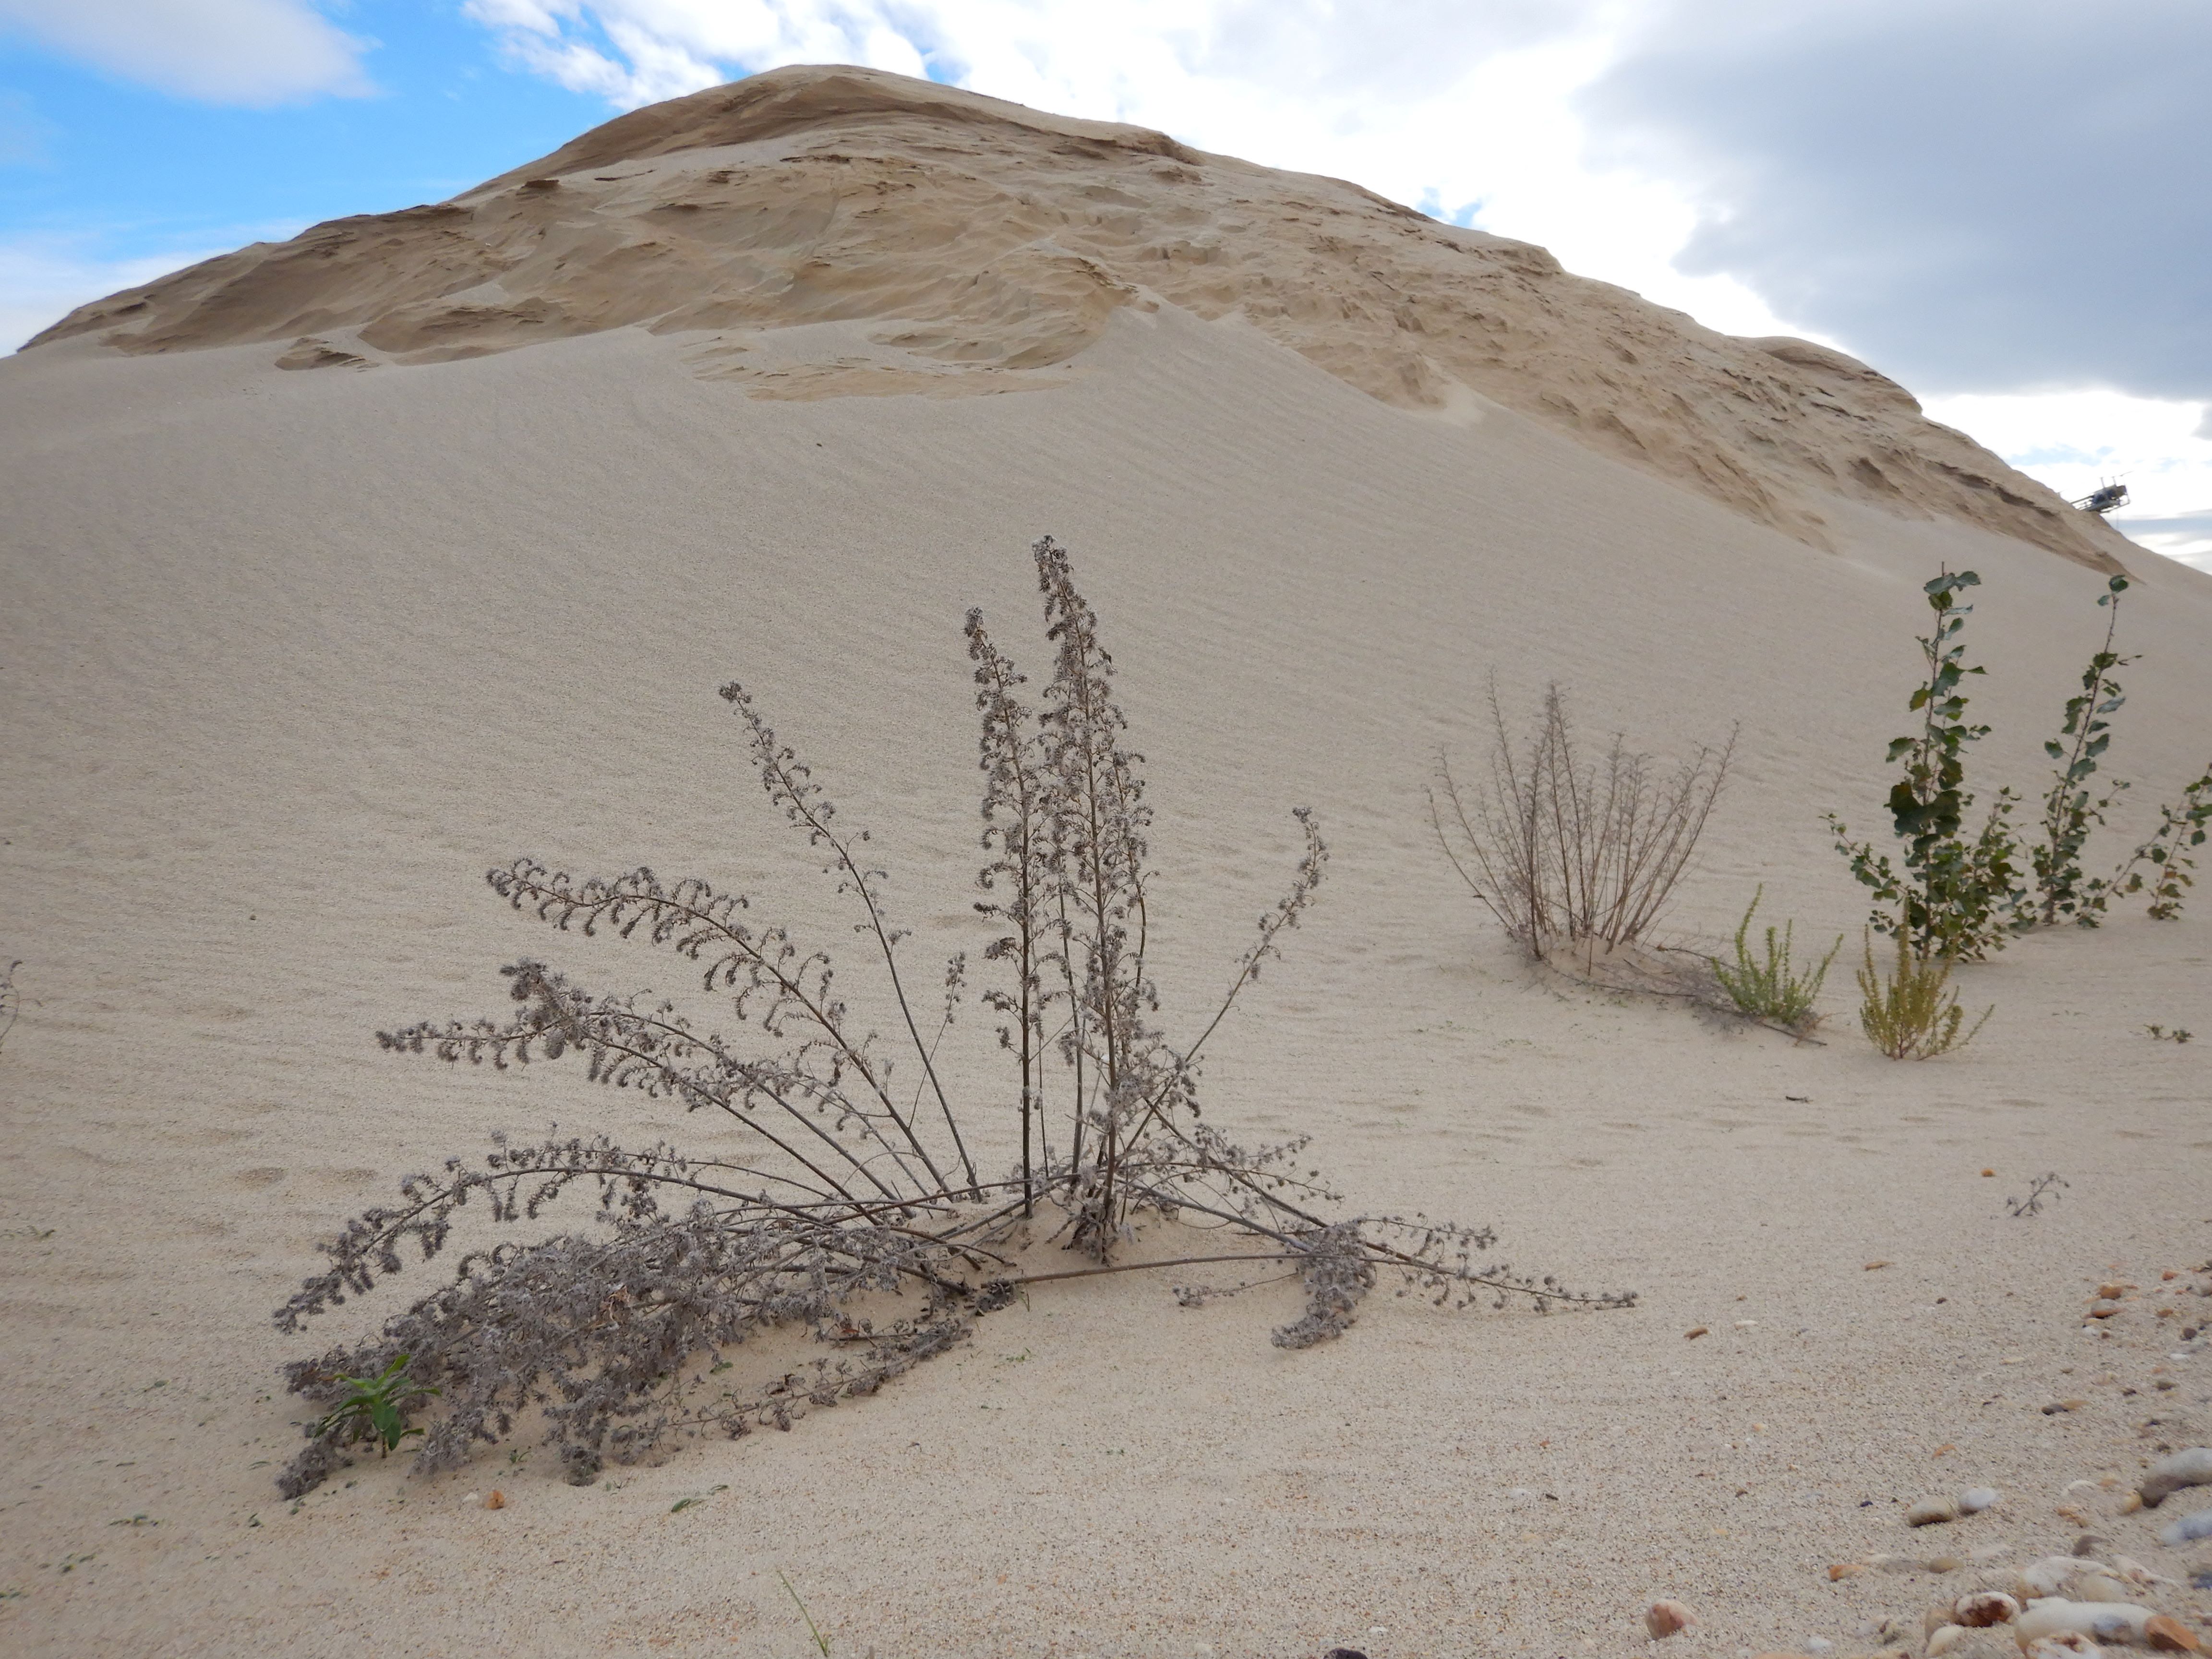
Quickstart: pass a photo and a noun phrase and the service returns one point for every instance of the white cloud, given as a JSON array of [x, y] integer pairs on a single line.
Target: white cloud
[[2076, 440], [44, 278], [255, 52]]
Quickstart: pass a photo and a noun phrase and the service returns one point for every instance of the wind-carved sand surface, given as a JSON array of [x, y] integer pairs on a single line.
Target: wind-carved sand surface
[[290, 658], [987, 241]]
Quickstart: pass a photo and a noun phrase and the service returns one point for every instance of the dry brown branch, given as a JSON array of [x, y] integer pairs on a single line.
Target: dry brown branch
[[1563, 848]]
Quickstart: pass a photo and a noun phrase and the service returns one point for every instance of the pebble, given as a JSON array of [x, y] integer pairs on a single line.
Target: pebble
[[2169, 1475], [1945, 1638], [1694, 1334], [1945, 1564], [2169, 1635], [1346, 1653], [1984, 1609], [1665, 1619], [1819, 1644], [1845, 1570], [1932, 1511], [2188, 1529], [496, 1501], [2091, 1547], [2058, 1406], [2103, 1309], [2068, 1644], [1975, 1499], [2055, 1615], [2100, 1586]]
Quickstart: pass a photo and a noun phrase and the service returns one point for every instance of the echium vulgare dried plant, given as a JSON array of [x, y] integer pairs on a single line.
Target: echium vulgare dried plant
[[861, 1197]]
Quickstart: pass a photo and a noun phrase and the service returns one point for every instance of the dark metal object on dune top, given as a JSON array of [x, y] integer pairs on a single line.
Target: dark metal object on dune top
[[2104, 499]]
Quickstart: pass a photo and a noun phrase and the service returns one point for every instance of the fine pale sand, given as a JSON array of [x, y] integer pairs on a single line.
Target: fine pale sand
[[288, 659]]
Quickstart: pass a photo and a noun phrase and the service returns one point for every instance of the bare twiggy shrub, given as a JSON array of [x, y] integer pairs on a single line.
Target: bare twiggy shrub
[[11, 1000], [862, 1194], [1912, 1013], [1561, 847]]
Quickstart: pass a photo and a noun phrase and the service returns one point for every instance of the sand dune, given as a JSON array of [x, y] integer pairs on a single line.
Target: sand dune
[[981, 236], [289, 655]]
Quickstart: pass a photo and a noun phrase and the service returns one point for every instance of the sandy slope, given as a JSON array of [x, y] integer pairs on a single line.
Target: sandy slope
[[288, 659], [987, 242]]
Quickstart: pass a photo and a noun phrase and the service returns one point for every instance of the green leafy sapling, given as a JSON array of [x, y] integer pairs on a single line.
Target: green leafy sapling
[[2182, 826], [2060, 889], [377, 1407], [1952, 889]]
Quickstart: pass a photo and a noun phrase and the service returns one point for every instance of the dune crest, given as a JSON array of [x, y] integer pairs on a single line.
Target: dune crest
[[984, 237]]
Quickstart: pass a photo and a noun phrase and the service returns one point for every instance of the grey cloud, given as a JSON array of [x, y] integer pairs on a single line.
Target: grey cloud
[[1976, 195]]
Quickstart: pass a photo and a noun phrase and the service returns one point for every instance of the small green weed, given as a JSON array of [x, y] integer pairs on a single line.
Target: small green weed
[[1913, 1014], [684, 1503], [821, 1641], [377, 1407], [1773, 989], [2160, 1033]]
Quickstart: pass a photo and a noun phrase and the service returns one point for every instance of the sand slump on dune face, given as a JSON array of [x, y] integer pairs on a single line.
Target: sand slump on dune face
[[979, 238]]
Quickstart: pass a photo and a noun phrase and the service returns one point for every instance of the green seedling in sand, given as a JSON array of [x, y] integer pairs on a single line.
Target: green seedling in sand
[[1773, 988], [377, 1407], [2160, 1033], [821, 1641]]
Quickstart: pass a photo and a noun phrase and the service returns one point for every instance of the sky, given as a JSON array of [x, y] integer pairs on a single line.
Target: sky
[[2004, 204]]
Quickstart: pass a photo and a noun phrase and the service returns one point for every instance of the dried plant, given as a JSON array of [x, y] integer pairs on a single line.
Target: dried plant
[[1563, 849], [1773, 988], [1913, 1014], [860, 1216], [2045, 1185], [11, 1000]]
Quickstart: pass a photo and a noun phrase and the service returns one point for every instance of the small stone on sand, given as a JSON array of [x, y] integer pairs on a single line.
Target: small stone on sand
[[1665, 1619], [2166, 1635]]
